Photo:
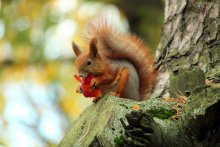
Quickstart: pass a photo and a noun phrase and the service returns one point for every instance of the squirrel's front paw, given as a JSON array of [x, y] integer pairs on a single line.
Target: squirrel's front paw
[[95, 99], [79, 90], [94, 83]]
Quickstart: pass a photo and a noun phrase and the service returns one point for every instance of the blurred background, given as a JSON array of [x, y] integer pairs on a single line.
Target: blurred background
[[37, 90]]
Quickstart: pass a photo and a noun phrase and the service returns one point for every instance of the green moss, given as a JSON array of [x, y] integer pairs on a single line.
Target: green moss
[[186, 81], [214, 74], [119, 141], [123, 105], [162, 113], [199, 102], [213, 92], [173, 52], [181, 62]]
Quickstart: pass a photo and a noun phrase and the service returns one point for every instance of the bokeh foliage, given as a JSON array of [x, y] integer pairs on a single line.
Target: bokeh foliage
[[145, 18]]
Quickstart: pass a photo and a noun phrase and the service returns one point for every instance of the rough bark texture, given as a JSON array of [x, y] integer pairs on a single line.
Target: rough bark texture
[[188, 55], [190, 39], [112, 122], [105, 123]]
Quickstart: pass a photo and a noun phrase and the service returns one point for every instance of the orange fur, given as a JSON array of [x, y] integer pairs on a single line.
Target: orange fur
[[123, 78], [117, 45]]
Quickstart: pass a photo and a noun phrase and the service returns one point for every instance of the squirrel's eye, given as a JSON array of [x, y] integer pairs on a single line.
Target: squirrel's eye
[[89, 62]]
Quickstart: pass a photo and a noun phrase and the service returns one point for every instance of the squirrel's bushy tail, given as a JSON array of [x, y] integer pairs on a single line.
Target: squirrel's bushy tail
[[127, 47]]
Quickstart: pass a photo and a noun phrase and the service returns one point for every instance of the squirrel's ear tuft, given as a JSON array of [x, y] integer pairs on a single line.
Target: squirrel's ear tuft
[[76, 49], [93, 48]]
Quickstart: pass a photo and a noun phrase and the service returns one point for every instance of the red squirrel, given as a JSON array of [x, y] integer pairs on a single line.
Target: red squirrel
[[119, 62]]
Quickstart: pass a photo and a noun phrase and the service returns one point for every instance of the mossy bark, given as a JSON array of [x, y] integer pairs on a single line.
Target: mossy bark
[[113, 122], [187, 57], [102, 122], [190, 39]]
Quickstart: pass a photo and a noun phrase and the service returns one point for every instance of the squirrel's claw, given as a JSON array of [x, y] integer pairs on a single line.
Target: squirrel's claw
[[95, 99], [94, 83], [79, 90]]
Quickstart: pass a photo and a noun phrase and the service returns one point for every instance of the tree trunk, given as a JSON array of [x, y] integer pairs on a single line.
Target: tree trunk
[[184, 108], [190, 38]]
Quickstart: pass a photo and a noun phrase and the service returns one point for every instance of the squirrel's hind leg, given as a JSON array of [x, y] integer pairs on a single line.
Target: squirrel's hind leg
[[122, 82]]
